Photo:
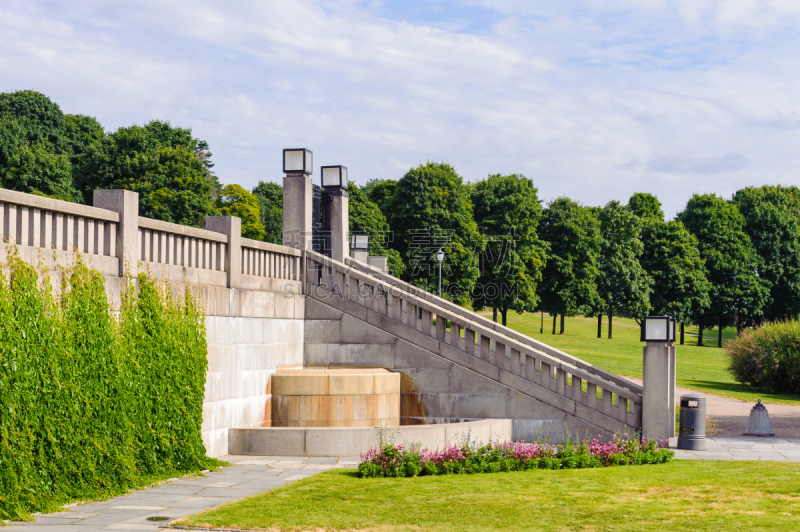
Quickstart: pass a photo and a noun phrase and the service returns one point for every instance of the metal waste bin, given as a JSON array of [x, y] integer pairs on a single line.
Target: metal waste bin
[[692, 431]]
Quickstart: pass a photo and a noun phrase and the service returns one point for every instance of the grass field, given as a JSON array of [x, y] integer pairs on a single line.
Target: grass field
[[679, 496], [704, 369]]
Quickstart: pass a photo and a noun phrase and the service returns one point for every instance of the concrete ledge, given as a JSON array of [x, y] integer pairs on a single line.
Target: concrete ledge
[[339, 441]]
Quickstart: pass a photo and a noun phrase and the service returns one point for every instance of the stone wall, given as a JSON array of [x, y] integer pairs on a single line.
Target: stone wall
[[250, 334]]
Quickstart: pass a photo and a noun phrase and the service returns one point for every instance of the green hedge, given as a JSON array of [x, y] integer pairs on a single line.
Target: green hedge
[[768, 357], [91, 403]]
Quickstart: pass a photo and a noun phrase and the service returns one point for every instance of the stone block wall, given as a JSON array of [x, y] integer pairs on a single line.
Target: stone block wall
[[250, 334]]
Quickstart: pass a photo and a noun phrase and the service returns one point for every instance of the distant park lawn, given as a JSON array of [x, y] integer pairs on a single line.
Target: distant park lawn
[[704, 369], [679, 496]]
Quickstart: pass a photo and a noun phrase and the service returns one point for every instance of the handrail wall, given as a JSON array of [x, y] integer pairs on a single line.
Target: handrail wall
[[499, 328], [520, 360]]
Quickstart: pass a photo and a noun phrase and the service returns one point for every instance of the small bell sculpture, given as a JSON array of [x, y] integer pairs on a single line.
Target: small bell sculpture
[[759, 424]]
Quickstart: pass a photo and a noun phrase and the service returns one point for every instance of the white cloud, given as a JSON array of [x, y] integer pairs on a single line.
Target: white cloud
[[595, 100]]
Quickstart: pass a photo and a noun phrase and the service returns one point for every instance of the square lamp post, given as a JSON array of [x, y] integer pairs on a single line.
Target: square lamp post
[[360, 245], [298, 198], [334, 177], [359, 242], [659, 368], [658, 329], [334, 185], [298, 160]]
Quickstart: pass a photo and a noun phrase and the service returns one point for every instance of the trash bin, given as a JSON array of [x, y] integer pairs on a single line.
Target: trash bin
[[692, 431]]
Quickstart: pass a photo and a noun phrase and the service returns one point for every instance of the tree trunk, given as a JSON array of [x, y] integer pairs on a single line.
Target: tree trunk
[[700, 333], [719, 335], [504, 312], [599, 325], [610, 321], [562, 324], [554, 322], [494, 314], [681, 333]]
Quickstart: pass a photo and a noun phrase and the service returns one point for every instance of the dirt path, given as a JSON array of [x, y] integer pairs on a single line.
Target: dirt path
[[729, 417]]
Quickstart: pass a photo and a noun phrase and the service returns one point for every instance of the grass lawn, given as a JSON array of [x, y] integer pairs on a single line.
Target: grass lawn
[[704, 369], [681, 495]]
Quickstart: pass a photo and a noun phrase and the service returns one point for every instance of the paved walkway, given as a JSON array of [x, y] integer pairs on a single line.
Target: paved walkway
[[772, 449], [180, 497]]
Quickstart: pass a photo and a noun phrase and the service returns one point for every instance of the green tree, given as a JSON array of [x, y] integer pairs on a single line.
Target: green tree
[[40, 117], [507, 209], [645, 205], [156, 160], [737, 294], [623, 284], [27, 118], [431, 209], [366, 218], [270, 202], [772, 221], [36, 170], [572, 233], [672, 258], [233, 200], [380, 192], [78, 133]]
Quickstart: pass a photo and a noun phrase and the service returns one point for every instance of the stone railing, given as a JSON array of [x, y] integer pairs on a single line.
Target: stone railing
[[117, 242], [52, 231], [263, 259], [516, 364], [497, 327], [183, 253]]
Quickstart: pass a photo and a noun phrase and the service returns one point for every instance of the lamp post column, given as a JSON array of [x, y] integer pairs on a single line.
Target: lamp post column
[[297, 199], [658, 396]]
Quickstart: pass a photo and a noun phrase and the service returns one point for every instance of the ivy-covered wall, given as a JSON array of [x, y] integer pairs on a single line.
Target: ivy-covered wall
[[93, 403]]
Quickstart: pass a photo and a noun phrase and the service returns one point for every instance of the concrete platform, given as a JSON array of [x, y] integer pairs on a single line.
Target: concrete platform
[[353, 441]]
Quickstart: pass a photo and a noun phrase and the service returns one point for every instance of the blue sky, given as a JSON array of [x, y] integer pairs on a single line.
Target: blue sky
[[592, 99]]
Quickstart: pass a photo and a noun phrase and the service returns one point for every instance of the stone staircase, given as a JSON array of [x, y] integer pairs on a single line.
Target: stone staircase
[[455, 364]]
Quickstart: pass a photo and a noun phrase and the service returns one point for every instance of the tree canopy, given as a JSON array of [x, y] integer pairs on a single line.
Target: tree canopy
[[507, 210], [737, 294], [233, 200], [431, 209], [623, 284], [156, 160], [570, 276], [366, 218], [772, 221], [672, 258], [645, 205], [270, 202]]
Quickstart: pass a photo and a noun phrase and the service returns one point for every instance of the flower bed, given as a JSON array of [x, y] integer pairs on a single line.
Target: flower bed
[[392, 460]]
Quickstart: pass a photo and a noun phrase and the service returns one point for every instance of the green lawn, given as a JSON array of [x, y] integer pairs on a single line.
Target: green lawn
[[682, 495], [704, 369]]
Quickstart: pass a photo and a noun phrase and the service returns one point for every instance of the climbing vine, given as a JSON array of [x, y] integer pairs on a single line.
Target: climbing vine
[[94, 403]]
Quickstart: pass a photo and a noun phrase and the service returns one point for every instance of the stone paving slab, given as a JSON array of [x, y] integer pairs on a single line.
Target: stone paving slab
[[178, 498], [744, 448]]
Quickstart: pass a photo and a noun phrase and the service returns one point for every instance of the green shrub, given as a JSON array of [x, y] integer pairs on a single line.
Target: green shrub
[[768, 357], [92, 404]]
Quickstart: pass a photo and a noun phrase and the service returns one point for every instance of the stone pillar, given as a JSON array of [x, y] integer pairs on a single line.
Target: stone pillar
[[658, 401], [361, 256], [297, 206], [126, 203], [230, 226], [340, 224], [673, 372]]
